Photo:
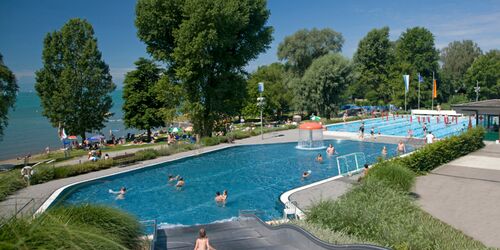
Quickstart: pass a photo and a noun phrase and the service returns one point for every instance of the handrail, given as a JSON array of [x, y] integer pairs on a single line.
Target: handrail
[[355, 159], [154, 223]]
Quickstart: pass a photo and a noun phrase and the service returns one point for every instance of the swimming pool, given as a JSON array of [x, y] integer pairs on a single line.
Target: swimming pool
[[398, 126], [254, 176]]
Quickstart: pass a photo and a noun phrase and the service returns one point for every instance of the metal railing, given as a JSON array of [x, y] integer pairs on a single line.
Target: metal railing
[[153, 224], [351, 167]]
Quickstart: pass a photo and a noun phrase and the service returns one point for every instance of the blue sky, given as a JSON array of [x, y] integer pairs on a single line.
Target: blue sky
[[24, 24]]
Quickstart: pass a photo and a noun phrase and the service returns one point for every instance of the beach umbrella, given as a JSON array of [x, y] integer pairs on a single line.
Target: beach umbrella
[[175, 130], [72, 137], [315, 118]]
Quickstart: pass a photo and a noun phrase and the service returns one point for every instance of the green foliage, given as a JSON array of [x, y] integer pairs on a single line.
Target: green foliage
[[376, 213], [8, 93], [322, 87], [433, 155], [327, 235], [278, 96], [300, 49], [144, 99], [81, 227], [415, 53], [74, 83], [10, 181], [393, 175], [457, 57], [372, 63], [486, 70], [206, 44]]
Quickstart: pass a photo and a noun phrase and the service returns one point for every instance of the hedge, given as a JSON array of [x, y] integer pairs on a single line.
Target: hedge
[[436, 154]]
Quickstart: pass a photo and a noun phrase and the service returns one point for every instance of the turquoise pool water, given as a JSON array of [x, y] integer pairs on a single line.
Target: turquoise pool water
[[255, 177], [398, 126]]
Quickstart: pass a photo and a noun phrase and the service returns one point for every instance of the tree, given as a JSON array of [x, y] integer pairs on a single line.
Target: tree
[[372, 62], [415, 53], [276, 93], [206, 44], [324, 83], [74, 84], [456, 58], [8, 93], [486, 71], [300, 49], [141, 107]]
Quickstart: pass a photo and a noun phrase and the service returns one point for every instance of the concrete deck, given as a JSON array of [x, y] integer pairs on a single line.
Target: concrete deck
[[465, 194]]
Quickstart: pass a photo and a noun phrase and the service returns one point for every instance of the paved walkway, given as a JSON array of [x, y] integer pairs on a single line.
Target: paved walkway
[[465, 193]]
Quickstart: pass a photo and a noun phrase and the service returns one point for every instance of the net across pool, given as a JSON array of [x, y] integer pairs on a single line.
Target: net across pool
[[399, 126], [254, 176]]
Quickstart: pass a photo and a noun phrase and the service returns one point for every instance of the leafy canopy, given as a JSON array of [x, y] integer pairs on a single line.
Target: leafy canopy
[[486, 70], [8, 92], [206, 44], [300, 49], [74, 83], [324, 83]]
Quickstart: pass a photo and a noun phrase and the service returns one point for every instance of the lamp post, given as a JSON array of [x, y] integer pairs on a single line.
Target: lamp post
[[261, 103]]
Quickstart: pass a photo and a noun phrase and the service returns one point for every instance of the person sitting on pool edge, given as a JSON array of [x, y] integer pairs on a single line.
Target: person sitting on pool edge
[[365, 172], [330, 150], [180, 183], [319, 158], [306, 174]]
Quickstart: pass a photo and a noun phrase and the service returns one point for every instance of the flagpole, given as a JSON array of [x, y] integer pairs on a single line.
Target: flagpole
[[418, 90], [432, 92]]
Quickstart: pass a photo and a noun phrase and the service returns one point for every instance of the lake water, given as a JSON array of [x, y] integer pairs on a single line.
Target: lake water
[[30, 132]]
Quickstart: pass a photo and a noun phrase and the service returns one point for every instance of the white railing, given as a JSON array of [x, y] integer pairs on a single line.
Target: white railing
[[353, 162]]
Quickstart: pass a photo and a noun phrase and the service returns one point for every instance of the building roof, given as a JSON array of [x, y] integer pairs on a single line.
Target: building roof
[[491, 106]]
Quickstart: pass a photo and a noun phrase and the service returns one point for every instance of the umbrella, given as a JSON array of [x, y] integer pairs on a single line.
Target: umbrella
[[96, 138], [72, 137], [173, 130]]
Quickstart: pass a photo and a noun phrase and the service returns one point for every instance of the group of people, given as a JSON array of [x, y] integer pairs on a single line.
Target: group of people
[[180, 181], [220, 199], [96, 155]]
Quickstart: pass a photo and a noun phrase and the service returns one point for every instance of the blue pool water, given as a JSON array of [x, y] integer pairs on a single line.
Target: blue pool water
[[255, 176], [399, 126]]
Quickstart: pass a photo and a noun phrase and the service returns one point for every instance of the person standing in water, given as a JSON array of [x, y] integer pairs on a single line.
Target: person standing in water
[[362, 130], [330, 150], [319, 158], [401, 148], [384, 152]]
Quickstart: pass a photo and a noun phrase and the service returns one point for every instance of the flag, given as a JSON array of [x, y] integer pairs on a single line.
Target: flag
[[420, 78], [434, 89], [62, 133], [406, 79]]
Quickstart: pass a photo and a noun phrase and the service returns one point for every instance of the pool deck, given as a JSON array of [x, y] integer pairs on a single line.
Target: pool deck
[[41, 192], [465, 194]]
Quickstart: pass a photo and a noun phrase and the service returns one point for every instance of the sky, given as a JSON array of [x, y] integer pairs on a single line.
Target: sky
[[24, 24]]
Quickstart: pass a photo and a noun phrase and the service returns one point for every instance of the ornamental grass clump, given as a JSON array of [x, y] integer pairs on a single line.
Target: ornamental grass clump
[[393, 175], [83, 227]]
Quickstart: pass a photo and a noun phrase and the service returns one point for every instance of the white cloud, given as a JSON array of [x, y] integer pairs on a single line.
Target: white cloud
[[24, 73]]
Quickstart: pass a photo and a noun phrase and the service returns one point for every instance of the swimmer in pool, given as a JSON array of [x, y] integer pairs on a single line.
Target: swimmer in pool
[[330, 150], [306, 174], [180, 183], [218, 198], [384, 152], [120, 194], [171, 178], [319, 158], [224, 196]]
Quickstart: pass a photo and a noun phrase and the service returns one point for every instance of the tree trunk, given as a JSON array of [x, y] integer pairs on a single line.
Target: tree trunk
[[82, 134], [149, 134]]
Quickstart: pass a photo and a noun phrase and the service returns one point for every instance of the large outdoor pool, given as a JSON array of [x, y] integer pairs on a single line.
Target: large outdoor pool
[[255, 177], [399, 126]]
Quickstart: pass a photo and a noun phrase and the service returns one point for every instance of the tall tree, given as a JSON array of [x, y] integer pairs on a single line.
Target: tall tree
[[141, 107], [456, 58], [372, 61], [486, 71], [415, 53], [206, 44], [300, 49], [74, 84], [8, 93], [324, 83], [276, 93]]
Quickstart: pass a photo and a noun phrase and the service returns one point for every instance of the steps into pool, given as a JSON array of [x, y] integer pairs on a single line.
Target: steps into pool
[[247, 232]]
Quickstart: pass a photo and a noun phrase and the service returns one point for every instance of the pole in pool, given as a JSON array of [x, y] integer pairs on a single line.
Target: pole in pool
[[261, 104]]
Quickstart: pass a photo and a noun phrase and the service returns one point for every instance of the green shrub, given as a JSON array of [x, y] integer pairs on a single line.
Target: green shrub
[[433, 155], [73, 228], [327, 235], [377, 213], [210, 141], [10, 181], [393, 175]]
